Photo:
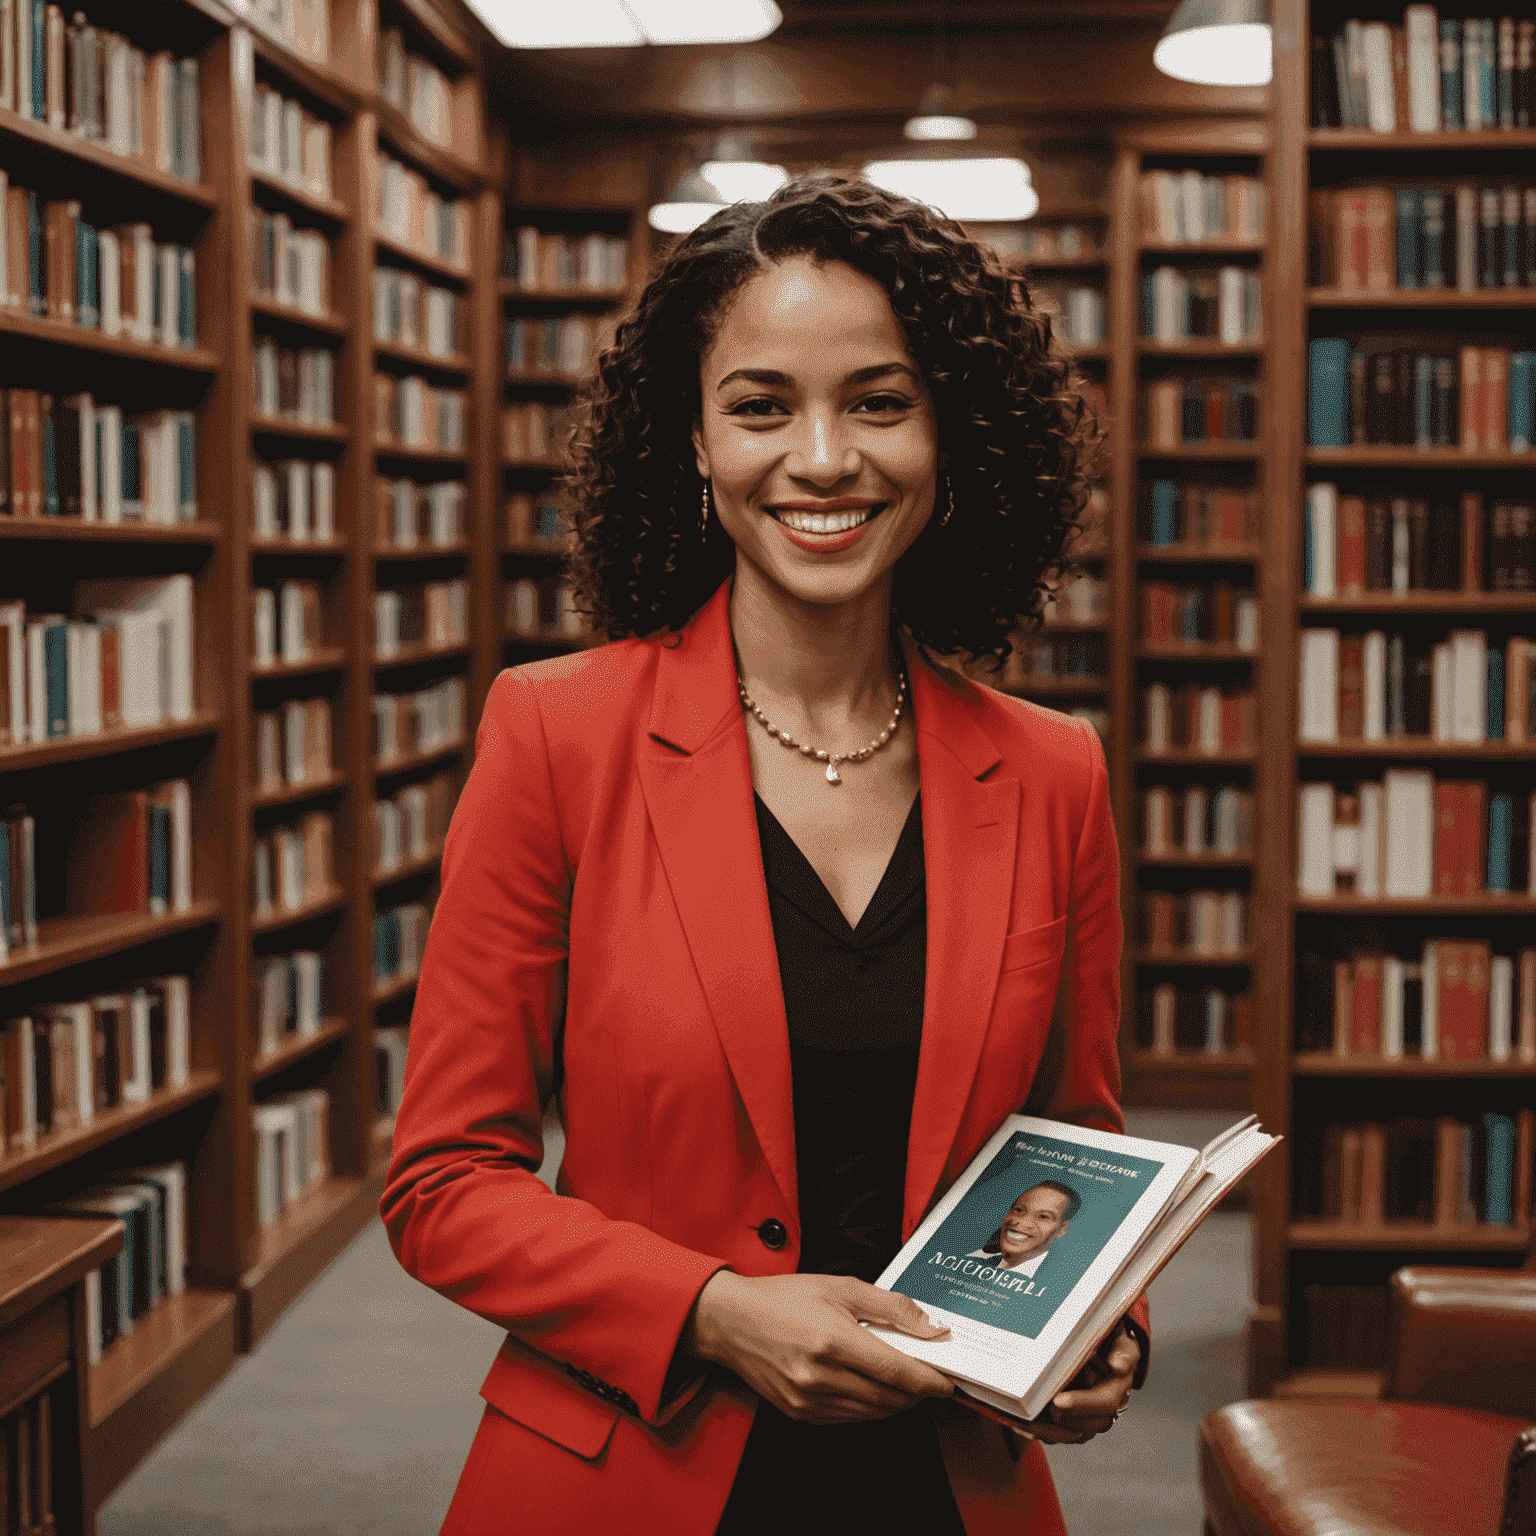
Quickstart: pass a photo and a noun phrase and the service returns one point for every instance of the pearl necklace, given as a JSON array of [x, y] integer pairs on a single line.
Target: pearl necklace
[[831, 759]]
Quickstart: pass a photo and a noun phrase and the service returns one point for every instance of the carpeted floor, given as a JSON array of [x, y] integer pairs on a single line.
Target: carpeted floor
[[354, 1416]]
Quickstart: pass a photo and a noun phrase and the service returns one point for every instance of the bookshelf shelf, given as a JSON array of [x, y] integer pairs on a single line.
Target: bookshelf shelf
[[1187, 755], [1402, 1236], [1194, 860], [1098, 352], [64, 749], [326, 658], [1046, 687], [1161, 958], [1200, 554], [1479, 142], [411, 762], [1423, 602], [426, 456], [326, 208], [435, 265], [302, 72], [298, 431], [134, 1362], [1393, 456], [83, 338], [330, 1032], [76, 530], [1196, 249], [397, 986], [329, 548], [51, 141], [300, 319], [63, 941], [1453, 300], [291, 794], [424, 551], [287, 917], [1511, 905], [409, 655], [398, 134], [1223, 452], [1034, 264], [1194, 650], [55, 1147], [408, 869], [531, 547], [1325, 1064], [1417, 747], [1201, 347], [455, 363], [604, 298]]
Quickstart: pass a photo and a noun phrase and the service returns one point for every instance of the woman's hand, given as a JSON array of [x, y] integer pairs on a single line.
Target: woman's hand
[[1087, 1407], [796, 1340]]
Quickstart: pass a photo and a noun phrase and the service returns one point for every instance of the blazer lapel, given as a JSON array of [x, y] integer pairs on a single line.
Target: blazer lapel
[[696, 777], [970, 840]]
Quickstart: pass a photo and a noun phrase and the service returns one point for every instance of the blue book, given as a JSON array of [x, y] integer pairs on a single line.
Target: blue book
[[51, 507], [37, 260], [1328, 392], [1501, 836], [1487, 90], [1409, 239], [1450, 74], [1499, 1184], [39, 59], [133, 504], [1165, 499], [186, 298], [1495, 695], [1423, 401], [87, 277], [56, 677], [186, 465], [159, 859], [1522, 398], [1308, 549], [1443, 403], [1432, 234], [1148, 307]]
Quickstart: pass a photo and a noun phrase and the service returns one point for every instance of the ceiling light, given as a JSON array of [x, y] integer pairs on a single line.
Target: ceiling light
[[996, 190], [937, 118], [688, 205], [627, 23], [1218, 42], [737, 175]]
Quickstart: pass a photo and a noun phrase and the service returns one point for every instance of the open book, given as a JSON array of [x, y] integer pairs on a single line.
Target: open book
[[1045, 1241]]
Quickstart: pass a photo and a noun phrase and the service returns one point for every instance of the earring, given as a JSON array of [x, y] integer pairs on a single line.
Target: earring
[[704, 518], [949, 510]]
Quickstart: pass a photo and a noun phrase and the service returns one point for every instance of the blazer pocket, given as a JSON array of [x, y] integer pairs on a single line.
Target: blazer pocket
[[1035, 946], [534, 1392]]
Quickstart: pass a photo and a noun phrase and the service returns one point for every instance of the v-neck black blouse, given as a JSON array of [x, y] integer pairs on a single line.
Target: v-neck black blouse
[[853, 1000]]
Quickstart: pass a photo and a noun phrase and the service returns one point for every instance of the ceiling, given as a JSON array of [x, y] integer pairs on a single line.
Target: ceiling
[[825, 18]]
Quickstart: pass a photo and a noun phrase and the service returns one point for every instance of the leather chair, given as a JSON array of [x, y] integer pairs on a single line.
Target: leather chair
[[1449, 1450]]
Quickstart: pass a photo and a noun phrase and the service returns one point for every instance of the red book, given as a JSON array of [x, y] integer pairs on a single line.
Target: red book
[[1159, 911], [1471, 541], [1240, 1017], [1351, 687], [1493, 434], [108, 864], [111, 679], [1463, 973], [1366, 1032], [1221, 612], [1343, 1007], [1474, 812], [1237, 723], [1158, 597], [1472, 407], [1525, 1157], [1351, 542], [1216, 413], [1380, 238], [1349, 234], [1448, 838], [1373, 1174]]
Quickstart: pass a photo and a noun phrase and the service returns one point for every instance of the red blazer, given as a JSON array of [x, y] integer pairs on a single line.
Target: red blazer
[[603, 937]]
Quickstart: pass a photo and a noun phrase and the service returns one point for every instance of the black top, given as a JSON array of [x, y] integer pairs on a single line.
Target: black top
[[853, 998]]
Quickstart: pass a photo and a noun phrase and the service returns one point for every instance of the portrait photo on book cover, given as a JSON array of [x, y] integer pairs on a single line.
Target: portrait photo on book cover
[[1026, 1231]]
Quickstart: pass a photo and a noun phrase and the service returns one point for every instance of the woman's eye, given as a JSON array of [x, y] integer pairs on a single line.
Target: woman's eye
[[880, 404], [759, 405]]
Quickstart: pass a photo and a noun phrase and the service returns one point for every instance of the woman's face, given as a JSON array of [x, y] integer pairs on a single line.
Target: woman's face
[[816, 431], [1034, 1221]]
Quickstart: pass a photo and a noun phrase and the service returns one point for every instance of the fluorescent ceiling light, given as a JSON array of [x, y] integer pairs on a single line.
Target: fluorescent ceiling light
[[996, 190], [743, 181], [626, 23], [1218, 42], [939, 126]]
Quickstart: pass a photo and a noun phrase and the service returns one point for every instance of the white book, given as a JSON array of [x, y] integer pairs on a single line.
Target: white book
[[92, 1285], [1408, 820], [177, 795], [23, 58], [308, 971], [1191, 190], [1471, 87], [37, 678], [294, 770], [1314, 840], [13, 624], [170, 597], [1374, 658], [7, 60], [110, 276], [1208, 721], [1229, 306], [84, 668], [1420, 24], [1429, 1028], [1392, 1007], [1194, 819], [1368, 872], [295, 644], [1170, 304], [264, 616], [1025, 1310], [1501, 1008], [264, 501], [1466, 213], [1442, 685], [1319, 669], [167, 287], [1158, 706], [1401, 545], [1323, 522], [109, 462], [298, 501], [1376, 45], [289, 848], [1469, 687], [171, 1181], [323, 501]]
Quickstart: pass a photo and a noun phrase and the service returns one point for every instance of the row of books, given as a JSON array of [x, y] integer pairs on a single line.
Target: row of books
[[66, 456], [1065, 656], [550, 261], [411, 413], [407, 211], [289, 144], [408, 312], [1188, 717], [1186, 208], [1054, 242], [294, 499], [399, 940], [292, 1149], [1220, 304], [125, 662], [1479, 399], [305, 25], [1457, 1001], [410, 515], [1180, 412], [532, 431], [291, 866], [1377, 541], [439, 110], [1210, 1020], [1377, 239], [390, 1046], [420, 721], [560, 348], [1198, 515], [286, 623], [534, 607], [288, 998], [94, 84], [1203, 923], [1379, 687], [435, 613], [26, 1451], [534, 515], [55, 266], [290, 266], [1082, 600], [1079, 315], [295, 384], [1411, 836], [1428, 74], [412, 822], [293, 744], [62, 1064], [1219, 614], [1198, 819], [1445, 1171]]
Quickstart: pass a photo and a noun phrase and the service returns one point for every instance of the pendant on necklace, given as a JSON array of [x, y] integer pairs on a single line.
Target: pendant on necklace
[[833, 777]]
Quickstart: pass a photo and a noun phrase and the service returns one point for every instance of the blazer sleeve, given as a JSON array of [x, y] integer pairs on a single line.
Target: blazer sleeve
[[465, 1211], [1086, 1090]]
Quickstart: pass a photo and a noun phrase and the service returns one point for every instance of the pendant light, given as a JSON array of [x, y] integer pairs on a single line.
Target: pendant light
[[992, 189], [690, 202], [736, 175], [627, 23], [936, 118], [1217, 42]]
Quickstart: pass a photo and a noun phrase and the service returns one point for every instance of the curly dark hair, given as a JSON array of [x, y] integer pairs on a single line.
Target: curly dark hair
[[1014, 433]]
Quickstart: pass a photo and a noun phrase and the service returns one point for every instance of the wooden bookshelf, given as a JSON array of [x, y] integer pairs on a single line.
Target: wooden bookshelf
[[242, 1274], [1300, 1089]]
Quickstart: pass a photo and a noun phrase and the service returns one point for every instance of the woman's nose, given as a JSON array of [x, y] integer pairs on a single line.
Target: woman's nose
[[819, 451]]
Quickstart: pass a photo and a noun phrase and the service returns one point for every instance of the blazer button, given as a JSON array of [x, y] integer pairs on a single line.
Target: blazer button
[[773, 1233]]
